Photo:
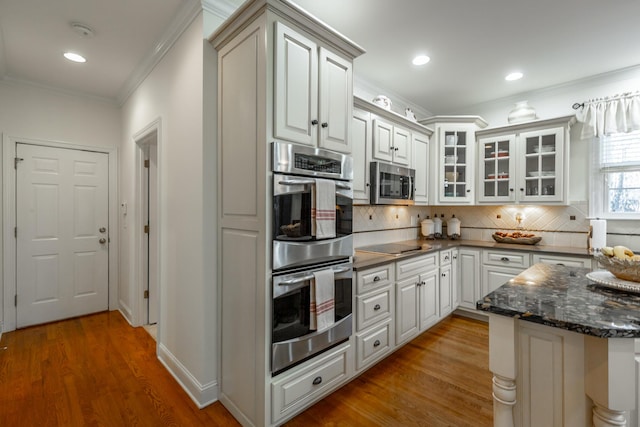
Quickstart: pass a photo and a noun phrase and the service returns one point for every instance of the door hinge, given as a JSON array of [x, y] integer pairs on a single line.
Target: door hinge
[[15, 161], [146, 294], [146, 163], [146, 229]]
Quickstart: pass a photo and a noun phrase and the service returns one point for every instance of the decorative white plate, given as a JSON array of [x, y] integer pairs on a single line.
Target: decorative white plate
[[606, 278]]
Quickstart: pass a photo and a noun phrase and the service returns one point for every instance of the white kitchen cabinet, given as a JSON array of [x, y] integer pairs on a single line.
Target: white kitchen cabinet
[[453, 159], [361, 132], [469, 261], [375, 135], [499, 266], [375, 300], [569, 261], [421, 166], [525, 163], [313, 92], [416, 295], [265, 70], [446, 290], [391, 143]]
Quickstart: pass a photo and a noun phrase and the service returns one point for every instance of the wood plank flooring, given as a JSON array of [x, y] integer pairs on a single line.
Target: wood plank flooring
[[98, 370]]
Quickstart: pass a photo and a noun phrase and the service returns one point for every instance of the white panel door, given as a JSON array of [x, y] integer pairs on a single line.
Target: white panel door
[[62, 236]]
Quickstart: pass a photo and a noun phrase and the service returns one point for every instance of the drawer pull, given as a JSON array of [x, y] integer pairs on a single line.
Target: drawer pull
[[376, 307], [376, 343], [505, 259], [560, 264], [376, 279], [446, 257], [317, 380]]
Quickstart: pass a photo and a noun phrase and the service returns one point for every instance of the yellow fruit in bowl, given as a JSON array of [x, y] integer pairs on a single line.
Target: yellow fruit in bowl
[[607, 250], [622, 252]]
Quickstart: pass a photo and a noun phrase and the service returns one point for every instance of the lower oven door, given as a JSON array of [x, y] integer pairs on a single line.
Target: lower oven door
[[292, 338]]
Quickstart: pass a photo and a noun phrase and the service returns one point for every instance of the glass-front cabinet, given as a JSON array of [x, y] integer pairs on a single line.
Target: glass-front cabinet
[[525, 163], [453, 159], [497, 167]]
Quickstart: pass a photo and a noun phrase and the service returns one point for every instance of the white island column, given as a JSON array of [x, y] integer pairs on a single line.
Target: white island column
[[503, 364], [610, 379]]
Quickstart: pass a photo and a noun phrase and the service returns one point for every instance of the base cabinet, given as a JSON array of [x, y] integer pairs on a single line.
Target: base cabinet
[[300, 386], [469, 277], [374, 343]]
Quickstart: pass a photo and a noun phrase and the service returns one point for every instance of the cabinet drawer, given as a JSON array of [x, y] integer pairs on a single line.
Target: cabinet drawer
[[445, 257], [300, 386], [374, 278], [373, 344], [569, 261], [374, 307], [506, 258], [416, 265]]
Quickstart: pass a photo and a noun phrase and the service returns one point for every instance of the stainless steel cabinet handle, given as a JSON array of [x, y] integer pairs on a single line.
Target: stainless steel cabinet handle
[[376, 307], [310, 182], [103, 240], [376, 343], [317, 380]]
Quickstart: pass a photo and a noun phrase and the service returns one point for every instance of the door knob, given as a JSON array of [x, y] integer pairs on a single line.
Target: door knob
[[102, 229], [103, 240]]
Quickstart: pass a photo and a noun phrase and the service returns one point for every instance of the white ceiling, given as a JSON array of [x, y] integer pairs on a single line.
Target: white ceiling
[[472, 44]]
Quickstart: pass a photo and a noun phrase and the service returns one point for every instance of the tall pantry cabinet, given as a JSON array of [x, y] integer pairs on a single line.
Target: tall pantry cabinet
[[282, 75]]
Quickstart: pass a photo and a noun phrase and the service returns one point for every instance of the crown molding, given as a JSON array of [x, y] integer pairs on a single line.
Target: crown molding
[[185, 16], [220, 8], [17, 82]]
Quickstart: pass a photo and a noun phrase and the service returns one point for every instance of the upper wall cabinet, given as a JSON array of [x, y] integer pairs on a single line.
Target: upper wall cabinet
[[525, 163], [382, 135], [453, 159], [313, 92]]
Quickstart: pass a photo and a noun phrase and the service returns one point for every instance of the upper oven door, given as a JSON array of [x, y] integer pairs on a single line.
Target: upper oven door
[[292, 208]]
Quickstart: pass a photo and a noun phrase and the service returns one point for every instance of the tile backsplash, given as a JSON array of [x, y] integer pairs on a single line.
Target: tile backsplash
[[557, 225]]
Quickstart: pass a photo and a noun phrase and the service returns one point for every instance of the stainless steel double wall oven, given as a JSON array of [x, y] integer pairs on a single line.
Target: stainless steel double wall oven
[[298, 254]]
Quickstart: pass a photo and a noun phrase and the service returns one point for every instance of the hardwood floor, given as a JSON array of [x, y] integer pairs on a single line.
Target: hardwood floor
[[98, 370]]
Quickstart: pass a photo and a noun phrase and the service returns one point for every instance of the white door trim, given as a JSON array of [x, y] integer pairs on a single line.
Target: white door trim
[[8, 254], [149, 134]]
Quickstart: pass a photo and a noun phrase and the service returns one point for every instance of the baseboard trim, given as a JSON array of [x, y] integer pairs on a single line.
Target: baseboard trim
[[201, 394]]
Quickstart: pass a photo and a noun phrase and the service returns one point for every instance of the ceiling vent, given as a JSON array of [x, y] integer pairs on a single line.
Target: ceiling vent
[[82, 30]]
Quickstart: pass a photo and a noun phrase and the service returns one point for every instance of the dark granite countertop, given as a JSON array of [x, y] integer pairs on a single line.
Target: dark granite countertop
[[363, 260], [562, 297]]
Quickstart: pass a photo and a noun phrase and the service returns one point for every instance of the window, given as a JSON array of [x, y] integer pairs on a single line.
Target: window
[[616, 177]]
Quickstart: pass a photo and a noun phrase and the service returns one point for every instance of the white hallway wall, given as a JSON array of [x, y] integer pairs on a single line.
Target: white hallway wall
[[174, 92], [35, 112]]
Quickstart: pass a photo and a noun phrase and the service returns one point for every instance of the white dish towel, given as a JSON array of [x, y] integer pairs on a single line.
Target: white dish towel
[[323, 209], [322, 305]]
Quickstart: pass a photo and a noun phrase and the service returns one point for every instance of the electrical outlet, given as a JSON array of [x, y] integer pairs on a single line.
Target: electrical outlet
[[498, 216]]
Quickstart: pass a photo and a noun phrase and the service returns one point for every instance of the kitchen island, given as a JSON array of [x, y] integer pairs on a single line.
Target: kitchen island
[[562, 350]]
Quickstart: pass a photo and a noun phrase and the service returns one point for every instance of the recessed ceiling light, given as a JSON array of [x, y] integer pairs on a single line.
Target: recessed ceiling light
[[74, 57], [421, 60], [513, 76]]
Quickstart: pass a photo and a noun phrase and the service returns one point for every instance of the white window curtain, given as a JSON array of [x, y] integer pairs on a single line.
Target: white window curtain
[[606, 116]]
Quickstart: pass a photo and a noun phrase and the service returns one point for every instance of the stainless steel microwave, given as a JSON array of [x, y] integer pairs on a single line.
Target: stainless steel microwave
[[391, 184]]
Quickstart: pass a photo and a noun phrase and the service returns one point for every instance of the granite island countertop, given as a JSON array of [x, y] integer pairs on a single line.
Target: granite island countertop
[[563, 297]]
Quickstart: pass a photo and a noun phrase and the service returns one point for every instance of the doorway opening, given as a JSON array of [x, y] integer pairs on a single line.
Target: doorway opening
[[146, 227]]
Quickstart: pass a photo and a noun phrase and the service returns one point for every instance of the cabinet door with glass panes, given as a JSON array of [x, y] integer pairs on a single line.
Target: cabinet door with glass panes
[[497, 163], [541, 174], [456, 165]]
